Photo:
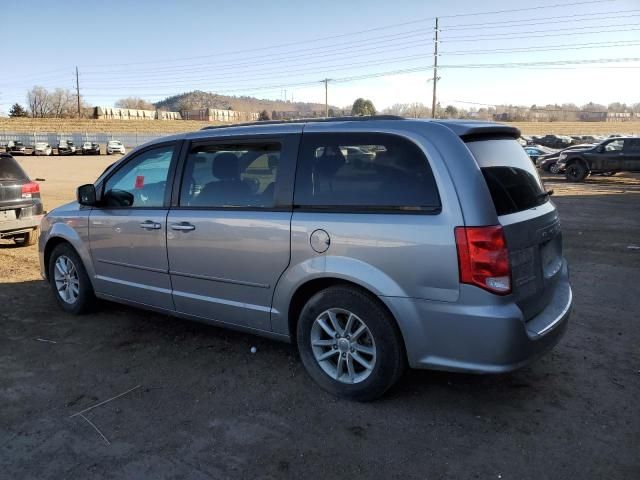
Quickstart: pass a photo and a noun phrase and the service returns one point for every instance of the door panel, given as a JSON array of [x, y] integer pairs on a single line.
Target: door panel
[[227, 267], [632, 154], [131, 260], [228, 235]]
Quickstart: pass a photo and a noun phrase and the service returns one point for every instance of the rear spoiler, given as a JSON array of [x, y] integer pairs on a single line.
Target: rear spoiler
[[505, 132], [470, 131]]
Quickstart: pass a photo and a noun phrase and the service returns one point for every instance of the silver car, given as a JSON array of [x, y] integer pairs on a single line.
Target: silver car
[[436, 247]]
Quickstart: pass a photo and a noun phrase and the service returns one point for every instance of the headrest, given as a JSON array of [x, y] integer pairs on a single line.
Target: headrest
[[226, 166], [330, 162]]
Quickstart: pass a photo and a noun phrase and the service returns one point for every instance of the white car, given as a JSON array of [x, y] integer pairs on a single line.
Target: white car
[[115, 146], [42, 148]]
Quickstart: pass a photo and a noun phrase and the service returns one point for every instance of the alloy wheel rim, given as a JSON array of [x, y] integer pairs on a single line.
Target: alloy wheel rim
[[66, 279], [343, 346]]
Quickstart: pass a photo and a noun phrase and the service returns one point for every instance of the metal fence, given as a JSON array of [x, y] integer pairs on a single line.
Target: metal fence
[[128, 139]]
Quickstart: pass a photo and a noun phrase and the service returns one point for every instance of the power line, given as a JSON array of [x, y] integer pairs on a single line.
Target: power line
[[560, 63], [348, 34], [517, 36], [560, 19], [318, 51]]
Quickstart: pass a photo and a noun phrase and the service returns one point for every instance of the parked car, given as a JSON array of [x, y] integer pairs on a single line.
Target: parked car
[[66, 147], [15, 147], [548, 162], [90, 148], [537, 151], [20, 204], [42, 148], [614, 155], [554, 141], [441, 250], [115, 146]]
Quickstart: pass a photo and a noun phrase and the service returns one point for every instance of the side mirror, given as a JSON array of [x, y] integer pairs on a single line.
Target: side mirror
[[86, 195]]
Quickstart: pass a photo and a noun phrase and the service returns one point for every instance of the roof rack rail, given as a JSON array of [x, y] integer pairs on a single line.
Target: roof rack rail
[[352, 118]]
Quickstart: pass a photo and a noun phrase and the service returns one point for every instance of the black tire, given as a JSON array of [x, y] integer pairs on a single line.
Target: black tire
[[86, 300], [387, 341], [29, 238], [576, 172]]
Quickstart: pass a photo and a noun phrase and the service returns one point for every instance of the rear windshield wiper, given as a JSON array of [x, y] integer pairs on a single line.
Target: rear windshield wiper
[[546, 194]]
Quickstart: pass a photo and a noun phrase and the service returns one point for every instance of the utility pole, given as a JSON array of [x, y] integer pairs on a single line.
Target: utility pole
[[435, 71], [326, 96], [78, 91]]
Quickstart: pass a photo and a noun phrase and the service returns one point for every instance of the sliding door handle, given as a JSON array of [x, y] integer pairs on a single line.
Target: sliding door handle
[[183, 227]]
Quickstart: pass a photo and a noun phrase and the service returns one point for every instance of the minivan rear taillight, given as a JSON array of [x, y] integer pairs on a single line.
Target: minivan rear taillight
[[483, 258], [28, 189]]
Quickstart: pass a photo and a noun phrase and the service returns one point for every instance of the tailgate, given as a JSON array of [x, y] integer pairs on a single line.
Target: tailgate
[[529, 219], [535, 254]]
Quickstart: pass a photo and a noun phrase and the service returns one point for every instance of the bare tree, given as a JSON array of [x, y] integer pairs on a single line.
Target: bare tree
[[417, 110], [135, 103], [39, 102], [63, 103]]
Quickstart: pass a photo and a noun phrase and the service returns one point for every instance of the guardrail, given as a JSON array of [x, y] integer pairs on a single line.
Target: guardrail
[[129, 140]]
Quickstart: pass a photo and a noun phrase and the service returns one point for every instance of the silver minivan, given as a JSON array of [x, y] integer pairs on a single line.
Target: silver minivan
[[373, 243]]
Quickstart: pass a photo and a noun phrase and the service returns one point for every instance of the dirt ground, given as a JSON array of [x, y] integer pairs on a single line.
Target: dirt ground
[[205, 407]]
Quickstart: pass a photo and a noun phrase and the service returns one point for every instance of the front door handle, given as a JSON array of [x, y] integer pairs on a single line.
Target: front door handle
[[183, 227], [150, 225]]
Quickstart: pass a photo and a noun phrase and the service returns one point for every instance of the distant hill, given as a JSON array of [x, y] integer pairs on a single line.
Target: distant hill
[[199, 99]]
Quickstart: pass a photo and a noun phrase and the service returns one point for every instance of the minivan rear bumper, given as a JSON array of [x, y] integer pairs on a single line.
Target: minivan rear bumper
[[474, 338]]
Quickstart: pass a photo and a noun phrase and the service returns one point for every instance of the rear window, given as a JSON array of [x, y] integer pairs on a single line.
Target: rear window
[[512, 179], [366, 172], [10, 170]]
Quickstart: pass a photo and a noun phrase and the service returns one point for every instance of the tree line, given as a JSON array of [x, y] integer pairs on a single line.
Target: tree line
[[63, 103]]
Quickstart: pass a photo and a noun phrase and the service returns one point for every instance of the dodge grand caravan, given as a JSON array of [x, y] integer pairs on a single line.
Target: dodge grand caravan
[[372, 243]]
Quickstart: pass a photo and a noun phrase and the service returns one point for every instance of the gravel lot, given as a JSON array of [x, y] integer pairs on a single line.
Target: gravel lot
[[206, 407]]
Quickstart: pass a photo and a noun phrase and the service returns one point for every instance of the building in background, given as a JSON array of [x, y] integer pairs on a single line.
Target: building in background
[[113, 113], [218, 115]]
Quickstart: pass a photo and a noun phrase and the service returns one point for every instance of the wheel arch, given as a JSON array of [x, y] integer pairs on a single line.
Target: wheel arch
[[62, 233], [308, 289], [580, 160]]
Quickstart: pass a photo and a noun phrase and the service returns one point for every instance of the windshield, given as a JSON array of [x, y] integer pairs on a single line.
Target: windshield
[[512, 179], [115, 143], [41, 145]]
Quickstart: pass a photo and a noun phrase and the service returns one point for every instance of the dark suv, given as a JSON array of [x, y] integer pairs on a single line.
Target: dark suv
[[20, 204], [612, 155]]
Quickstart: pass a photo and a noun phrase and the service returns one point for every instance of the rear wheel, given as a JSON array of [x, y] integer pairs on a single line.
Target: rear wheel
[[349, 344], [576, 172], [69, 280]]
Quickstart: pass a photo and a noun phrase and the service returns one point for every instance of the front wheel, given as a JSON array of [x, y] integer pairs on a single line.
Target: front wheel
[[349, 344], [576, 172], [69, 280], [555, 168]]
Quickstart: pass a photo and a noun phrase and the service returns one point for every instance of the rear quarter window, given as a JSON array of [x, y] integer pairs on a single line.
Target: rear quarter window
[[367, 172], [10, 170], [511, 178]]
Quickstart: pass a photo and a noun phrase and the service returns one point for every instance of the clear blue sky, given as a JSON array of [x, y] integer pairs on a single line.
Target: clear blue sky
[[153, 49]]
